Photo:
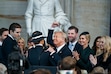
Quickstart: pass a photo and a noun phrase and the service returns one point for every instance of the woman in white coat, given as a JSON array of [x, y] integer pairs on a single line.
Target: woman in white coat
[[41, 15]]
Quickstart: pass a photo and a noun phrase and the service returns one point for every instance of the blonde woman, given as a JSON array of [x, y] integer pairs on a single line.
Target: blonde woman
[[104, 59], [82, 56], [21, 44]]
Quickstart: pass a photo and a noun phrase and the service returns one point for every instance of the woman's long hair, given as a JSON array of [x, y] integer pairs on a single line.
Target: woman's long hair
[[107, 47]]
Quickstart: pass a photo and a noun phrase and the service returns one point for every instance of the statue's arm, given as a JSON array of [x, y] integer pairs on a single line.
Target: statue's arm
[[60, 16], [29, 16]]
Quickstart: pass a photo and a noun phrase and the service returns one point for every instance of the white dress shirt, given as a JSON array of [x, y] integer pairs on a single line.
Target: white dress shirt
[[59, 48]]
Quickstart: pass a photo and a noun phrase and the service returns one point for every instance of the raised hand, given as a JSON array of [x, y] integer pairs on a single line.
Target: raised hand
[[93, 59]]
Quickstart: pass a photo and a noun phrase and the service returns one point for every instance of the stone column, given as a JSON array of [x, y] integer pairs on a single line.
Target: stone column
[[89, 15], [68, 7]]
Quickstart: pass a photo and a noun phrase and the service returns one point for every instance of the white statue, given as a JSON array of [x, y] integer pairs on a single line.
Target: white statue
[[42, 14]]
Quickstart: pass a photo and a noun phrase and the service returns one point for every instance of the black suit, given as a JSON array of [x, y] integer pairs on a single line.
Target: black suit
[[84, 62], [37, 56], [57, 56], [77, 47], [102, 63], [49, 37], [7, 48], [0, 54]]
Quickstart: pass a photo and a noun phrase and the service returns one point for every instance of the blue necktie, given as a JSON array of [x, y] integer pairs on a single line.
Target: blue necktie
[[70, 46]]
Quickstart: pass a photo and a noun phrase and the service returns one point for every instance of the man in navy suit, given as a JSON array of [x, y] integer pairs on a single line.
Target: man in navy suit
[[3, 34], [72, 35], [60, 49], [10, 41]]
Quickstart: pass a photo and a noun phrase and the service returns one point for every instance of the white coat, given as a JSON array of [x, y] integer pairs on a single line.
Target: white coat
[[41, 14]]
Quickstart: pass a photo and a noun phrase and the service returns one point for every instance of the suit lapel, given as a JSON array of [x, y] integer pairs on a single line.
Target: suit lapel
[[61, 49]]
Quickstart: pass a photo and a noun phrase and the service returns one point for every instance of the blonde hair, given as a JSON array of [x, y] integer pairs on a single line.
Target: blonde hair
[[22, 39], [87, 35], [107, 47], [98, 70]]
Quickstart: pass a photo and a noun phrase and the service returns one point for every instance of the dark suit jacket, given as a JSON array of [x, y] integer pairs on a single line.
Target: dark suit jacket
[[55, 58], [7, 48], [49, 38], [0, 54], [103, 64], [84, 62], [77, 47], [37, 56]]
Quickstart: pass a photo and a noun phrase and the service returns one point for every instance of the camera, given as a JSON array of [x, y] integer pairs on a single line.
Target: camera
[[16, 62]]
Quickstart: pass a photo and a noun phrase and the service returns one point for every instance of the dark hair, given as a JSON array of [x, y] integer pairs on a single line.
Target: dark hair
[[13, 26], [94, 44], [29, 39], [84, 33], [87, 35], [78, 70], [109, 69], [2, 30], [73, 27]]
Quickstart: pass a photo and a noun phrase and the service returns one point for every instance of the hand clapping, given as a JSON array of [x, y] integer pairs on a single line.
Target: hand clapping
[[76, 55]]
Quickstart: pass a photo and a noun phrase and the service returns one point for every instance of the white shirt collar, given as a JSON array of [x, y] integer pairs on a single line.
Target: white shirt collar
[[11, 36], [73, 42], [0, 43], [39, 45], [59, 48]]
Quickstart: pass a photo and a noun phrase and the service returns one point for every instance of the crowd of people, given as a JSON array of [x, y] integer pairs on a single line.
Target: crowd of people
[[68, 52]]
